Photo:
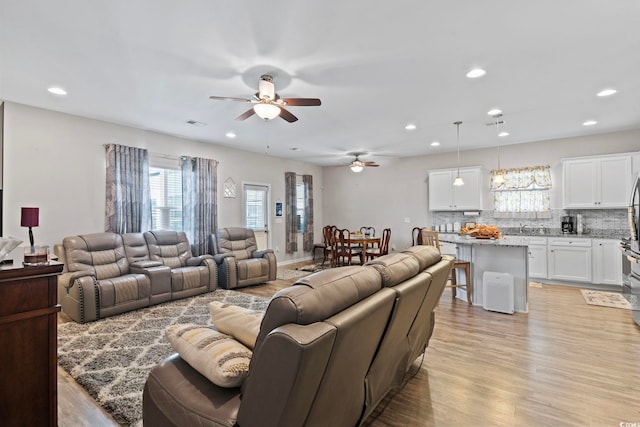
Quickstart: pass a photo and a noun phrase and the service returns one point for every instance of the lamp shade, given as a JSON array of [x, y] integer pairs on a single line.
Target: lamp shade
[[30, 217]]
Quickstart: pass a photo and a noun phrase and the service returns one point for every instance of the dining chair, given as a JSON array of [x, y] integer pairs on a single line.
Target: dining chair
[[416, 236], [343, 247], [431, 238], [383, 248], [328, 243], [368, 231]]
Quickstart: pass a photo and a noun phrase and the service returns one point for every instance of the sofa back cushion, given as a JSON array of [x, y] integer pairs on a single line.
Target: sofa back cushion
[[135, 247], [101, 253], [171, 248], [237, 240], [395, 268], [425, 255]]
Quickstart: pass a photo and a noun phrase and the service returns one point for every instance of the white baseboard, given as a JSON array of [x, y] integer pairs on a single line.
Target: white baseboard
[[296, 260]]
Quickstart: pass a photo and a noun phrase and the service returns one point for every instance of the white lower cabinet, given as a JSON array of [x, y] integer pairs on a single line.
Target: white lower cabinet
[[538, 258], [607, 262], [570, 259]]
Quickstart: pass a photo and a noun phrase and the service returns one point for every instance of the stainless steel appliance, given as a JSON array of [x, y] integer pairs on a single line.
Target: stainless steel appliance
[[568, 224], [631, 251]]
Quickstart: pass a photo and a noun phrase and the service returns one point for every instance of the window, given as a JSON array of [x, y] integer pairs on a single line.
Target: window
[[524, 193], [255, 202], [300, 203], [166, 198]]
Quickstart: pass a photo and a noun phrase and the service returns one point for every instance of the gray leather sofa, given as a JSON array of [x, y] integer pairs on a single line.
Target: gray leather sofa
[[108, 273], [330, 347], [240, 263]]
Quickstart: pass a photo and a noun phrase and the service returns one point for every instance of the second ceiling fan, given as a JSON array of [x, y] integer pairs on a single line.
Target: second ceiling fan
[[357, 165], [267, 104]]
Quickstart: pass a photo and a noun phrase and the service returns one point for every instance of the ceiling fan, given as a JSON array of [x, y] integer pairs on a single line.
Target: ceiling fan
[[267, 104], [357, 165]]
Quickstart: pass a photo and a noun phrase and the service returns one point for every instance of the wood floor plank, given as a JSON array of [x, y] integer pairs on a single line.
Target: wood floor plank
[[565, 363]]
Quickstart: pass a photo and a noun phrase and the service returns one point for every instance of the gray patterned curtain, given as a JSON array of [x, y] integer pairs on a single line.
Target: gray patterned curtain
[[199, 201], [128, 200], [291, 226], [307, 237]]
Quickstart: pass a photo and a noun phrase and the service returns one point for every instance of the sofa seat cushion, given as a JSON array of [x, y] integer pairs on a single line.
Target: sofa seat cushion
[[241, 323], [253, 267], [217, 356], [189, 277], [123, 289], [395, 268]]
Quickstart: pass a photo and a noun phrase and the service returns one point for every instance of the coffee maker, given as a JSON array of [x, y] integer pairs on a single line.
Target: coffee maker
[[568, 224]]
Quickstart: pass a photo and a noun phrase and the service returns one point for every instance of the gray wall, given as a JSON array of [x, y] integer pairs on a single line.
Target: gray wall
[[56, 162], [395, 195]]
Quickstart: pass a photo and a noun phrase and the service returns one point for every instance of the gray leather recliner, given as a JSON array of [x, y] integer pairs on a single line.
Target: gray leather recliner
[[239, 261]]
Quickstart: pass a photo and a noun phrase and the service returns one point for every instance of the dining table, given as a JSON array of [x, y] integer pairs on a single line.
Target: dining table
[[363, 240]]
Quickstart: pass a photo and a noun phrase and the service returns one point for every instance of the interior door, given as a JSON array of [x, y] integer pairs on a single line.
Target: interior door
[[256, 212]]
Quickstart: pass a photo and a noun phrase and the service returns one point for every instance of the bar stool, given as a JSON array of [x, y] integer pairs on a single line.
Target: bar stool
[[431, 238]]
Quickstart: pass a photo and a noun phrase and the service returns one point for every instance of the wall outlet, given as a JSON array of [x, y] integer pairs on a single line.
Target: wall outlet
[[407, 220]]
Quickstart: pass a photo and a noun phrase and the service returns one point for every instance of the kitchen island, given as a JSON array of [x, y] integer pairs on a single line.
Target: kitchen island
[[500, 255]]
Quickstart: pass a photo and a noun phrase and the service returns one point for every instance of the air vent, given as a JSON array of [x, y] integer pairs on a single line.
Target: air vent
[[196, 123]]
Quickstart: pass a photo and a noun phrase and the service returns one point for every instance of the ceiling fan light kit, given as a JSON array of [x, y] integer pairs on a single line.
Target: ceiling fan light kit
[[458, 181], [267, 104], [357, 165]]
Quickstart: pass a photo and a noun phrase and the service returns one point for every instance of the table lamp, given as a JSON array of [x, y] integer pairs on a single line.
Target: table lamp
[[29, 218]]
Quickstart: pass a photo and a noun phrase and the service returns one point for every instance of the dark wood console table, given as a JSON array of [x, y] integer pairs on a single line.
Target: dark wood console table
[[28, 344]]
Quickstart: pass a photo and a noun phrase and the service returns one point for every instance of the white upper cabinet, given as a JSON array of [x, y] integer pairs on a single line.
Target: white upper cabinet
[[444, 196], [596, 182]]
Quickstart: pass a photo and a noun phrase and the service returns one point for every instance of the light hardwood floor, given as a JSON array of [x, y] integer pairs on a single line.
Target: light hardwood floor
[[565, 363]]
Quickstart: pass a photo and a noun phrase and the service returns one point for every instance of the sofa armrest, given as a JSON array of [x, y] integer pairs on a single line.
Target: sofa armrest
[[66, 280], [198, 260], [262, 253], [220, 258], [79, 296], [227, 270], [145, 264]]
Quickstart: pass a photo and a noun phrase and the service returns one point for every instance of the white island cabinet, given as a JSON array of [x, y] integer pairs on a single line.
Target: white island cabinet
[[444, 196], [596, 182], [499, 256]]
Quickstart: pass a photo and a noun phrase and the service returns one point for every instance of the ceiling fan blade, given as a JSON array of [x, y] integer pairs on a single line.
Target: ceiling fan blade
[[372, 164], [227, 98], [301, 102], [287, 115], [250, 112]]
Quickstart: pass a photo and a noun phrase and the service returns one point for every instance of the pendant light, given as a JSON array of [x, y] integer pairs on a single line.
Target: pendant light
[[458, 181], [498, 178]]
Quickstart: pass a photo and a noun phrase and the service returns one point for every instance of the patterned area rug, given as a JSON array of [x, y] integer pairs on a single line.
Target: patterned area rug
[[605, 299], [287, 274], [314, 268], [111, 358]]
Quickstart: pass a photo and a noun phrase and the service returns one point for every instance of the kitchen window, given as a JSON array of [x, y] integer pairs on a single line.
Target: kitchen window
[[523, 192]]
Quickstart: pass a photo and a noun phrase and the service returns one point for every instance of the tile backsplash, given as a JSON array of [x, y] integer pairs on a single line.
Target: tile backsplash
[[598, 222]]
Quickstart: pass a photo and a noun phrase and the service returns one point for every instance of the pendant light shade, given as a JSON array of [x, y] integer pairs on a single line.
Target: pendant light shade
[[458, 181]]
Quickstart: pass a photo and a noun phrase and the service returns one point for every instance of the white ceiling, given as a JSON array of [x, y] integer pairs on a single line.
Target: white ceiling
[[376, 66]]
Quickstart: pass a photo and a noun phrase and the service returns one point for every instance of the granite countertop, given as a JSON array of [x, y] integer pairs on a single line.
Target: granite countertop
[[513, 234], [556, 232], [468, 240]]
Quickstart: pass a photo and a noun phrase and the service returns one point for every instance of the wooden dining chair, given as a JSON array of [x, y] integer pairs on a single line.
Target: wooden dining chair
[[383, 248], [343, 247], [328, 243], [431, 238]]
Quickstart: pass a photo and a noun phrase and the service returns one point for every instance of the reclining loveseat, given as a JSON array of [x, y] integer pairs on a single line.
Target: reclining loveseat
[[108, 273], [328, 349]]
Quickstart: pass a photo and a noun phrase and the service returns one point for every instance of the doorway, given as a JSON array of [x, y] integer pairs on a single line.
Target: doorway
[[256, 212]]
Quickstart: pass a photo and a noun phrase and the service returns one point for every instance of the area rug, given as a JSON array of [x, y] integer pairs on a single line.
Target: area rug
[[111, 358], [290, 273], [312, 268], [605, 299]]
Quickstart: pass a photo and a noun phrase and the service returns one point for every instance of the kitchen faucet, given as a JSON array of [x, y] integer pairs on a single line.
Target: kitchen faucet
[[523, 227]]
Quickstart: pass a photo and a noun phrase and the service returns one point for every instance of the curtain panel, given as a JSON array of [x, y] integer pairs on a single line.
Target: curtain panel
[[199, 201], [128, 194], [307, 237], [524, 193], [291, 223]]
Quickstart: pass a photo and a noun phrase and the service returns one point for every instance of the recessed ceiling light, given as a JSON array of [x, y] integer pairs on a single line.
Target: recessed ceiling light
[[435, 144], [57, 90], [475, 73], [503, 133], [589, 123], [230, 135], [607, 92], [410, 126], [494, 112]]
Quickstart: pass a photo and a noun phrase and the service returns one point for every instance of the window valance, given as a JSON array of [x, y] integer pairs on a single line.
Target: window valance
[[522, 179]]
